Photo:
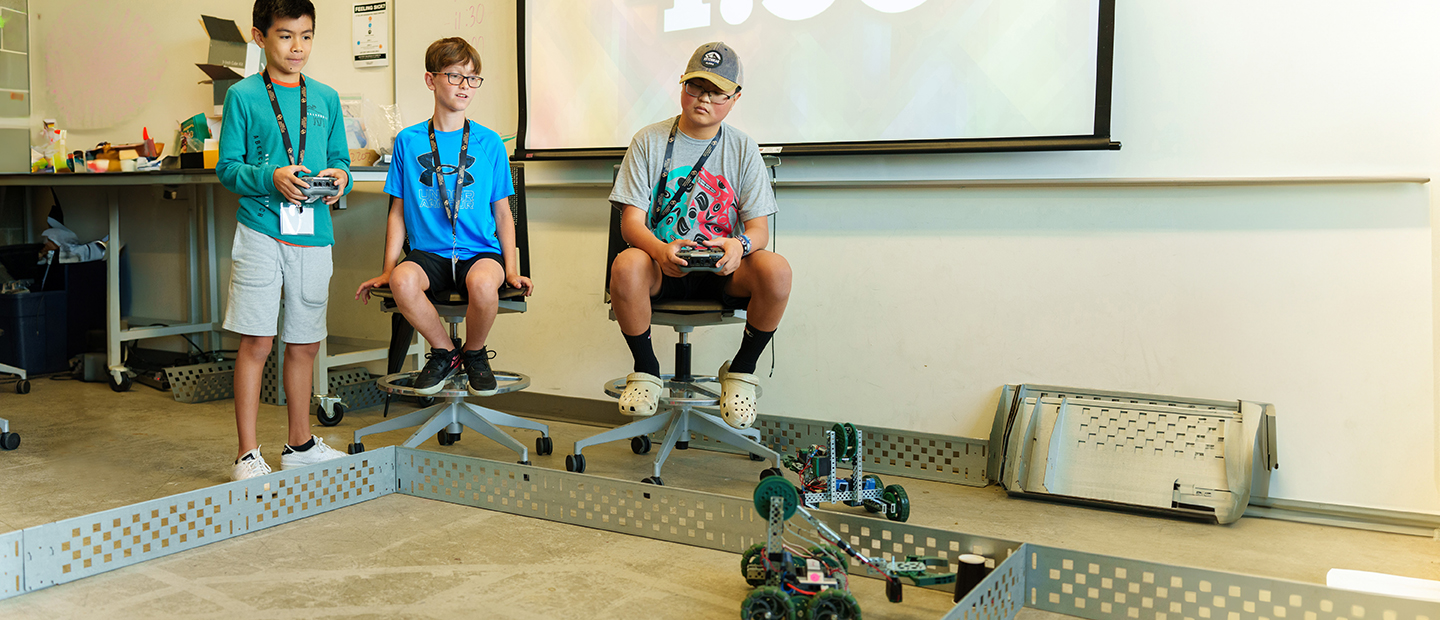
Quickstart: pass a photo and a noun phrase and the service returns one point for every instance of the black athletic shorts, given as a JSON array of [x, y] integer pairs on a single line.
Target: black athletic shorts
[[700, 285], [437, 269]]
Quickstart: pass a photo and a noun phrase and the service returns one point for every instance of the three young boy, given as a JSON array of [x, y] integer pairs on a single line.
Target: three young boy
[[688, 181]]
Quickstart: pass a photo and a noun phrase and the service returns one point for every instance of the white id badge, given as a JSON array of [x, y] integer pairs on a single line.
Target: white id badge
[[296, 221]]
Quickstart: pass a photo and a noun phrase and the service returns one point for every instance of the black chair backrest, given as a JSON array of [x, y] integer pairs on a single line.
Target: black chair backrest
[[517, 210]]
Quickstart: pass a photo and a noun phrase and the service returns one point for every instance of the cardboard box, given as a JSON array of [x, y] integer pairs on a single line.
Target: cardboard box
[[232, 57]]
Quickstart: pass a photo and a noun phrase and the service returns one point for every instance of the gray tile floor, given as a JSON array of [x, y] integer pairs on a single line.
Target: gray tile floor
[[87, 449]]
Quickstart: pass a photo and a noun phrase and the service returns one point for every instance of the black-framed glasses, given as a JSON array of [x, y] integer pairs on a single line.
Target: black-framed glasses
[[715, 96], [455, 79]]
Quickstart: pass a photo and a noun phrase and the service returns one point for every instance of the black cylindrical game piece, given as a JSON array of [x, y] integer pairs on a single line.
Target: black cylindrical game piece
[[972, 571]]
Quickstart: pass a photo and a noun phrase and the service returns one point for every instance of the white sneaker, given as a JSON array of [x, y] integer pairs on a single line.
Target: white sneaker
[[319, 453], [249, 466]]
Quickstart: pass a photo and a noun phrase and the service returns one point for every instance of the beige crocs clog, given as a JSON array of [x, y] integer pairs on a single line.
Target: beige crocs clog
[[642, 394], [737, 397]]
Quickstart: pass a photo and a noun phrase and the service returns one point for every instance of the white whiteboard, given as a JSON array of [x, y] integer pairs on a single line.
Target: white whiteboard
[[487, 25]]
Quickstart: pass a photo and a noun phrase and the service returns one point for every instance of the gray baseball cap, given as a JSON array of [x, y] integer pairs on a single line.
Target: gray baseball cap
[[718, 63]]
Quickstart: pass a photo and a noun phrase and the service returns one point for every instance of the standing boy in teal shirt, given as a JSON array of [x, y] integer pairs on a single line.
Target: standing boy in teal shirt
[[282, 244]]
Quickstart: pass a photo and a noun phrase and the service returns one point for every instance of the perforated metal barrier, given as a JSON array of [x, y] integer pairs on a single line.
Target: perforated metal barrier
[[1102, 587], [201, 383], [912, 454], [1068, 582], [666, 513], [1000, 596], [71, 549]]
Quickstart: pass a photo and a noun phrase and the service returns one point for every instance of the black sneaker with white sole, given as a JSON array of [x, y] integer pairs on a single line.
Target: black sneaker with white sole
[[477, 370], [440, 365]]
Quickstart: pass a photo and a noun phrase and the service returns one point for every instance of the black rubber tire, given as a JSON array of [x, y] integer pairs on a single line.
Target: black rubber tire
[[767, 603], [444, 438], [575, 463], [9, 441], [640, 444], [356, 448], [655, 480], [23, 387], [425, 401], [682, 445], [123, 386], [337, 413], [770, 471], [544, 446]]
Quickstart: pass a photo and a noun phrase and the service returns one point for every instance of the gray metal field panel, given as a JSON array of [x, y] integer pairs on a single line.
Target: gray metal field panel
[[1183, 456]]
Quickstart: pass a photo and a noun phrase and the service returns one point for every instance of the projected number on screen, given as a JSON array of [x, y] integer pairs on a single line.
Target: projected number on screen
[[688, 14]]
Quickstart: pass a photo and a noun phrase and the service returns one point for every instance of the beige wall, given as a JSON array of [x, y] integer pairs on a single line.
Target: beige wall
[[912, 306]]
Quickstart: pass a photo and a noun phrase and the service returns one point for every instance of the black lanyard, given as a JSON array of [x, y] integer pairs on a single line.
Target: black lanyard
[[452, 211], [295, 159], [684, 186], [440, 172]]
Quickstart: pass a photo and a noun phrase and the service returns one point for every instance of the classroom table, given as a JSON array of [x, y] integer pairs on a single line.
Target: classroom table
[[204, 315]]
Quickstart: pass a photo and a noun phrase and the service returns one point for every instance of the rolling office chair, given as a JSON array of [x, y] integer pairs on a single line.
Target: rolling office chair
[[691, 402], [445, 420]]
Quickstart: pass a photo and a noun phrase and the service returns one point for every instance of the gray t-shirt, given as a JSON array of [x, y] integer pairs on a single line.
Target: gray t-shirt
[[730, 189]]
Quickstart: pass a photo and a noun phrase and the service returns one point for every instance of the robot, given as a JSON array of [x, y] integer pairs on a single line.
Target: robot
[[814, 582], [821, 481]]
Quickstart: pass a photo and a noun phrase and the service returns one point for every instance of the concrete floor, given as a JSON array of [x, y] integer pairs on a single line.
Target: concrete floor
[[87, 449]]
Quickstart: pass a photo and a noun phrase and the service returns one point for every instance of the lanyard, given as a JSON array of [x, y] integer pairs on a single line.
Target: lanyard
[[284, 131], [451, 211], [684, 186]]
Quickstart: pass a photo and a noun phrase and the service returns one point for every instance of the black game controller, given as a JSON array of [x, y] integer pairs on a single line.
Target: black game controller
[[320, 187], [701, 258]]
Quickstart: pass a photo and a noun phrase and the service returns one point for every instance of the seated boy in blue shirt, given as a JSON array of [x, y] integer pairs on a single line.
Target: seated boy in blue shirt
[[450, 185], [687, 181], [278, 127]]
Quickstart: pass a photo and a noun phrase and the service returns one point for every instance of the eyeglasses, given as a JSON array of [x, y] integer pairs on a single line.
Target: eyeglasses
[[455, 79], [715, 97]]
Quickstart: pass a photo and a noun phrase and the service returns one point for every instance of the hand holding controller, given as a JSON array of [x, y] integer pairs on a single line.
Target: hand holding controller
[[701, 258], [320, 187]]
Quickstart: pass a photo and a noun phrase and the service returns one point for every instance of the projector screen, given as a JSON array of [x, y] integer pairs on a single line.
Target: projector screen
[[823, 76]]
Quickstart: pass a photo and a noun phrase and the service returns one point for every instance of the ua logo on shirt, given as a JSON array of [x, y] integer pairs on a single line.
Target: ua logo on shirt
[[429, 170]]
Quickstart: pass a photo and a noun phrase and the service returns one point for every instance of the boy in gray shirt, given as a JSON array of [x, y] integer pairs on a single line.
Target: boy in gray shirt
[[694, 181]]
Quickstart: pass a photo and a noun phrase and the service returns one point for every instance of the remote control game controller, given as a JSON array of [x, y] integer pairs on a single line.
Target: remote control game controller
[[320, 187], [701, 258]]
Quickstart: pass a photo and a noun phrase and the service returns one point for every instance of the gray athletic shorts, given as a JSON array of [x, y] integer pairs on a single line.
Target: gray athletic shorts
[[261, 269]]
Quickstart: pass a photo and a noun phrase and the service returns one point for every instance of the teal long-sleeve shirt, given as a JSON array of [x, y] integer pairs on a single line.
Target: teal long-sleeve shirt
[[251, 149]]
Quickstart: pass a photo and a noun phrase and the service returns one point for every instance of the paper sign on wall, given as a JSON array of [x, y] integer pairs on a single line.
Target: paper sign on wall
[[370, 32]]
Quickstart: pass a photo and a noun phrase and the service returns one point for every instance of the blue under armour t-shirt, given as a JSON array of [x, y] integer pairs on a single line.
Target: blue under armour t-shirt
[[413, 179]]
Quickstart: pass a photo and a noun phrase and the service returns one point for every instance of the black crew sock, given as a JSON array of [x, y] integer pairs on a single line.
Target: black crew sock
[[640, 347], [751, 346], [304, 446]]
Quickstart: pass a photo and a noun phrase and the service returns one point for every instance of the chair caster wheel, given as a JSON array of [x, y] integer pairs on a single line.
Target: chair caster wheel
[[123, 386], [544, 446], [575, 463], [23, 387], [447, 438], [9, 441], [640, 445], [357, 448], [771, 472], [655, 480], [756, 457], [337, 413], [682, 445], [523, 462]]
